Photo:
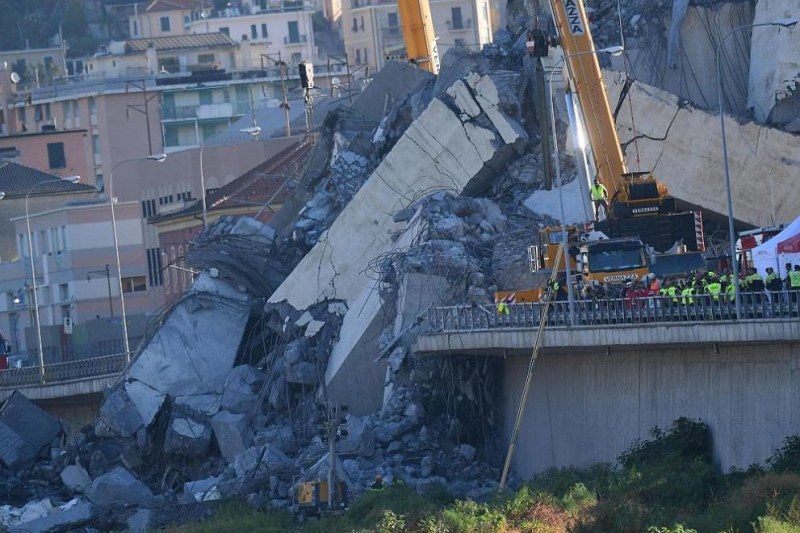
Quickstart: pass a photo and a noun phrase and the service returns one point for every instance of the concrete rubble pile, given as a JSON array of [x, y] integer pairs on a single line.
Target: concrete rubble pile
[[223, 396]]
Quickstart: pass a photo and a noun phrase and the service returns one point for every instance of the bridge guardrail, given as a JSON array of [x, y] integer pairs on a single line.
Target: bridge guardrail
[[614, 311], [62, 372]]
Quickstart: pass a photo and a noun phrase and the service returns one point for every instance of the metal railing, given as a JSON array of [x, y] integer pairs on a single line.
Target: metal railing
[[616, 311], [64, 372]]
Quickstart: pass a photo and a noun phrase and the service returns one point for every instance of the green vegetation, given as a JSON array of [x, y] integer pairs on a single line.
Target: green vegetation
[[667, 484]]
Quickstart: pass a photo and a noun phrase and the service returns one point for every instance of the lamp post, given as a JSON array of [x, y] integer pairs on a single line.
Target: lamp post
[[254, 132], [785, 23], [613, 50], [158, 158], [71, 179]]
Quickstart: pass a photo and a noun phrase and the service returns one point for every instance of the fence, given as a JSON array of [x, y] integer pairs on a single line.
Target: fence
[[614, 311], [62, 372]]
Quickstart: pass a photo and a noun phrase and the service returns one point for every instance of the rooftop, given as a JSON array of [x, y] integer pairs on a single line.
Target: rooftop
[[17, 180], [179, 42]]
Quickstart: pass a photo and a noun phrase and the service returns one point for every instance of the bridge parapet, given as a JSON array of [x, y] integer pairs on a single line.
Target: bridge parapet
[[63, 372]]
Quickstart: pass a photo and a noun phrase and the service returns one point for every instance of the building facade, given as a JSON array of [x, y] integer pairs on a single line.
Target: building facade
[[373, 31]]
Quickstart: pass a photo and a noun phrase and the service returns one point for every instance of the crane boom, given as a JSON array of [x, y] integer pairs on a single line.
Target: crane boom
[[419, 34], [587, 79]]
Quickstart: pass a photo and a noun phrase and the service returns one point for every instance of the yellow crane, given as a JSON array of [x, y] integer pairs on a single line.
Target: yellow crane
[[418, 34]]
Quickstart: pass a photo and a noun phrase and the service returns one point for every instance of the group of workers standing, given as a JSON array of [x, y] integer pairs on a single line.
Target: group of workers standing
[[683, 291]]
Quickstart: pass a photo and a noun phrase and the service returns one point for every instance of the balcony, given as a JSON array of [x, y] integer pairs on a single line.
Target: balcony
[[459, 25], [298, 40], [222, 110]]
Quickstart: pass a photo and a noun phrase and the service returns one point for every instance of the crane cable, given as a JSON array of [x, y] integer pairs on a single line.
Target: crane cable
[[529, 377], [626, 62]]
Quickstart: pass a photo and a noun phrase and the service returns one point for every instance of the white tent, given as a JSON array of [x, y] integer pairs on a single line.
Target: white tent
[[766, 254]]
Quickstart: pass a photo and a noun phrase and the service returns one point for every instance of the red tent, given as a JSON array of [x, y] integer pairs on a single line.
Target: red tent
[[790, 245]]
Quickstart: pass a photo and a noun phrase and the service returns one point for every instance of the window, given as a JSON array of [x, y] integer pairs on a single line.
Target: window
[[63, 292], [365, 56], [355, 25], [55, 155], [149, 208], [225, 30], [154, 267], [253, 31], [185, 196], [264, 32], [458, 22], [297, 57], [164, 23], [460, 42], [204, 59], [48, 64], [294, 32], [134, 284], [96, 144], [99, 182], [393, 21], [135, 28], [63, 238], [206, 97], [361, 27], [358, 56]]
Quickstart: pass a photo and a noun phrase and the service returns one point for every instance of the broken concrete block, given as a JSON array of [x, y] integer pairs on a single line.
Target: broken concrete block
[[281, 437], [303, 372], [140, 521], [25, 431], [463, 98], [240, 392], [203, 489], [360, 440], [118, 415], [56, 520], [119, 488], [75, 478], [196, 345], [147, 401], [199, 406], [233, 434], [187, 436], [259, 461]]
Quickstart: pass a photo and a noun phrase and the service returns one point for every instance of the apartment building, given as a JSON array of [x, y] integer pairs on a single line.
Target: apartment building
[[74, 260], [281, 27], [373, 30]]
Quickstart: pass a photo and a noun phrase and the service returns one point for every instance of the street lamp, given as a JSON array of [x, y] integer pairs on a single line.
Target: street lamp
[[254, 132], [160, 159], [614, 51], [71, 179], [784, 23]]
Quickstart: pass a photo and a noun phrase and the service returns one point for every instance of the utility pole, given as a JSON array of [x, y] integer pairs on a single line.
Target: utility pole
[[107, 274], [346, 63], [144, 108], [334, 418], [283, 70]]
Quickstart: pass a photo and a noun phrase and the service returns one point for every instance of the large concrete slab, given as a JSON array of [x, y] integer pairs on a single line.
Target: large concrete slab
[[196, 345], [774, 63], [438, 151], [682, 145]]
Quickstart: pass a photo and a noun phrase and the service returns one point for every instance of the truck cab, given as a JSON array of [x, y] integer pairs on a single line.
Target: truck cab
[[614, 261]]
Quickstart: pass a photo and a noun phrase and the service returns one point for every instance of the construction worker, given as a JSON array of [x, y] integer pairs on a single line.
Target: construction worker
[[755, 286], [599, 199], [774, 285], [502, 308], [794, 282]]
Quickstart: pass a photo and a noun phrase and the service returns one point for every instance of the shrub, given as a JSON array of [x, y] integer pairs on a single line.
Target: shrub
[[787, 457]]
